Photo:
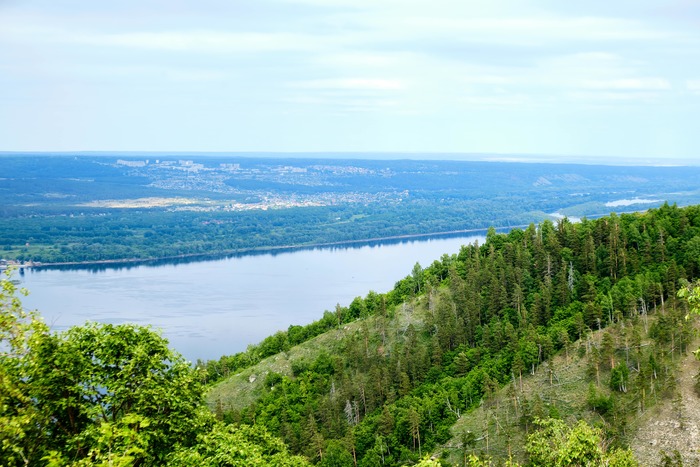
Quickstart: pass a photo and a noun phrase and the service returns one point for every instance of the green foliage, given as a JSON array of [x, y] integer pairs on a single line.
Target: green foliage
[[671, 460], [403, 366], [599, 402], [619, 378], [449, 335], [428, 462], [351, 200], [241, 446], [112, 395], [557, 444], [21, 421], [691, 293], [336, 455], [107, 389]]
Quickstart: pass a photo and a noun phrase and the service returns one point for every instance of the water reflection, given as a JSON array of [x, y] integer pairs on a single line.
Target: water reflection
[[216, 306], [198, 258]]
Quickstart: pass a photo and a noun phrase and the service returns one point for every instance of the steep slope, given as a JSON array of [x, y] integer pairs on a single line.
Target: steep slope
[[396, 372], [247, 386], [561, 388], [674, 425]]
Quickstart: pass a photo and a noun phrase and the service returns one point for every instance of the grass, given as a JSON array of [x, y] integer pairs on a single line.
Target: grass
[[244, 388], [558, 388]]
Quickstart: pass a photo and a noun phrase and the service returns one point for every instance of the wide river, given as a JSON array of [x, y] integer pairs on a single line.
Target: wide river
[[217, 307]]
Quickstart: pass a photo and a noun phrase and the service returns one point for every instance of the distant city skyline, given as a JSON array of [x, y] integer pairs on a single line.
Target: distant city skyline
[[596, 82]]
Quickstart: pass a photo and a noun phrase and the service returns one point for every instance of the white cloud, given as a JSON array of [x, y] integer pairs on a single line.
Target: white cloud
[[509, 100], [339, 103], [531, 30], [632, 84], [348, 95], [353, 59], [196, 76], [612, 97], [203, 41], [352, 84], [493, 65]]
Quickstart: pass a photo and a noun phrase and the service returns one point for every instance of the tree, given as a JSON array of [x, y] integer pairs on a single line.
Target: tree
[[428, 462], [242, 446], [336, 456], [120, 386], [22, 435], [619, 378], [417, 278], [691, 293], [692, 251], [557, 444], [103, 394], [414, 425]]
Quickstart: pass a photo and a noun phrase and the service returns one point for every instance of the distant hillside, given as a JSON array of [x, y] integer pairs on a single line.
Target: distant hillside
[[91, 208], [441, 363]]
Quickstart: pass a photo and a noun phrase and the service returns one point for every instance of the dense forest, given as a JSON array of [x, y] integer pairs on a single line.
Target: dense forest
[[449, 335], [386, 380], [62, 208]]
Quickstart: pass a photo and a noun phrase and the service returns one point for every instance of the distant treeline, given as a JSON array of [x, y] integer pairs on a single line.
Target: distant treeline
[[151, 234]]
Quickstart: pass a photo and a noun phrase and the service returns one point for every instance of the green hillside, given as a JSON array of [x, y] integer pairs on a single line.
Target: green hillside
[[591, 306], [564, 344]]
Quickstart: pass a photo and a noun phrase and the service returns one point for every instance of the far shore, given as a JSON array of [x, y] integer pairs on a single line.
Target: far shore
[[262, 250], [243, 251]]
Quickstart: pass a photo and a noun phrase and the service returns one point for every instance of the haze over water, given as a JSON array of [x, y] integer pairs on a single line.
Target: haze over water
[[218, 307]]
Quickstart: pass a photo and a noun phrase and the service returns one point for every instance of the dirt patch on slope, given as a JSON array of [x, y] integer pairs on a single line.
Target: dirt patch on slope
[[673, 426]]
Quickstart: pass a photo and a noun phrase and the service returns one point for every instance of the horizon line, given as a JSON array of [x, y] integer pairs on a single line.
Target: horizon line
[[451, 156]]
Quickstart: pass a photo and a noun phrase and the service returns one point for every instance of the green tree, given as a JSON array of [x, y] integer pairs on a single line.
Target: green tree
[[109, 395], [557, 444], [121, 386], [619, 378], [336, 456], [414, 425], [243, 446], [22, 434], [691, 293]]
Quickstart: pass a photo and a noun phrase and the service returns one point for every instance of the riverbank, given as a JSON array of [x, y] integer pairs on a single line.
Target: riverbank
[[217, 307], [251, 251]]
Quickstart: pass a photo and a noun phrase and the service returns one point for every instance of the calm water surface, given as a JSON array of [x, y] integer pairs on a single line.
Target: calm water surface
[[211, 308]]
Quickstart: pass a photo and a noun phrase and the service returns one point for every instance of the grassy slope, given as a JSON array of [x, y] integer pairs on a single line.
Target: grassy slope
[[664, 428], [242, 389], [563, 388], [557, 388]]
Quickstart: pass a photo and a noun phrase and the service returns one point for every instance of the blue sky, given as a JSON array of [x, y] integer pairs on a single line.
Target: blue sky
[[610, 79]]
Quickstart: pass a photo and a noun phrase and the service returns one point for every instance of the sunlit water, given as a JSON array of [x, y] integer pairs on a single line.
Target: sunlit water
[[211, 308]]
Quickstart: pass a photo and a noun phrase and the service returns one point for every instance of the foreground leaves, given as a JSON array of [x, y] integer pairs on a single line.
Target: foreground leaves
[[112, 395]]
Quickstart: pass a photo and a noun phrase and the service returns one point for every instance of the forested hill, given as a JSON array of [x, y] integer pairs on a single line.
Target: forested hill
[[596, 310], [395, 372]]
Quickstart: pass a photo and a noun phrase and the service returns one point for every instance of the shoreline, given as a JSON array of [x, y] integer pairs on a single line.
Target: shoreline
[[272, 249], [244, 251]]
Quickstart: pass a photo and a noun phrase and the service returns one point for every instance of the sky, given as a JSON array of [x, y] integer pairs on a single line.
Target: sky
[[610, 80]]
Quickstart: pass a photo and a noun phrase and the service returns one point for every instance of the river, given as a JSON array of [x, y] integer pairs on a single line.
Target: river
[[210, 308]]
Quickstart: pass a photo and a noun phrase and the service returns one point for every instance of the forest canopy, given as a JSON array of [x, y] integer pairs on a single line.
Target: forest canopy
[[398, 371]]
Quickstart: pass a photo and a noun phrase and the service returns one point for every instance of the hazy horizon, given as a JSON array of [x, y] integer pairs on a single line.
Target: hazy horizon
[[389, 155]]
